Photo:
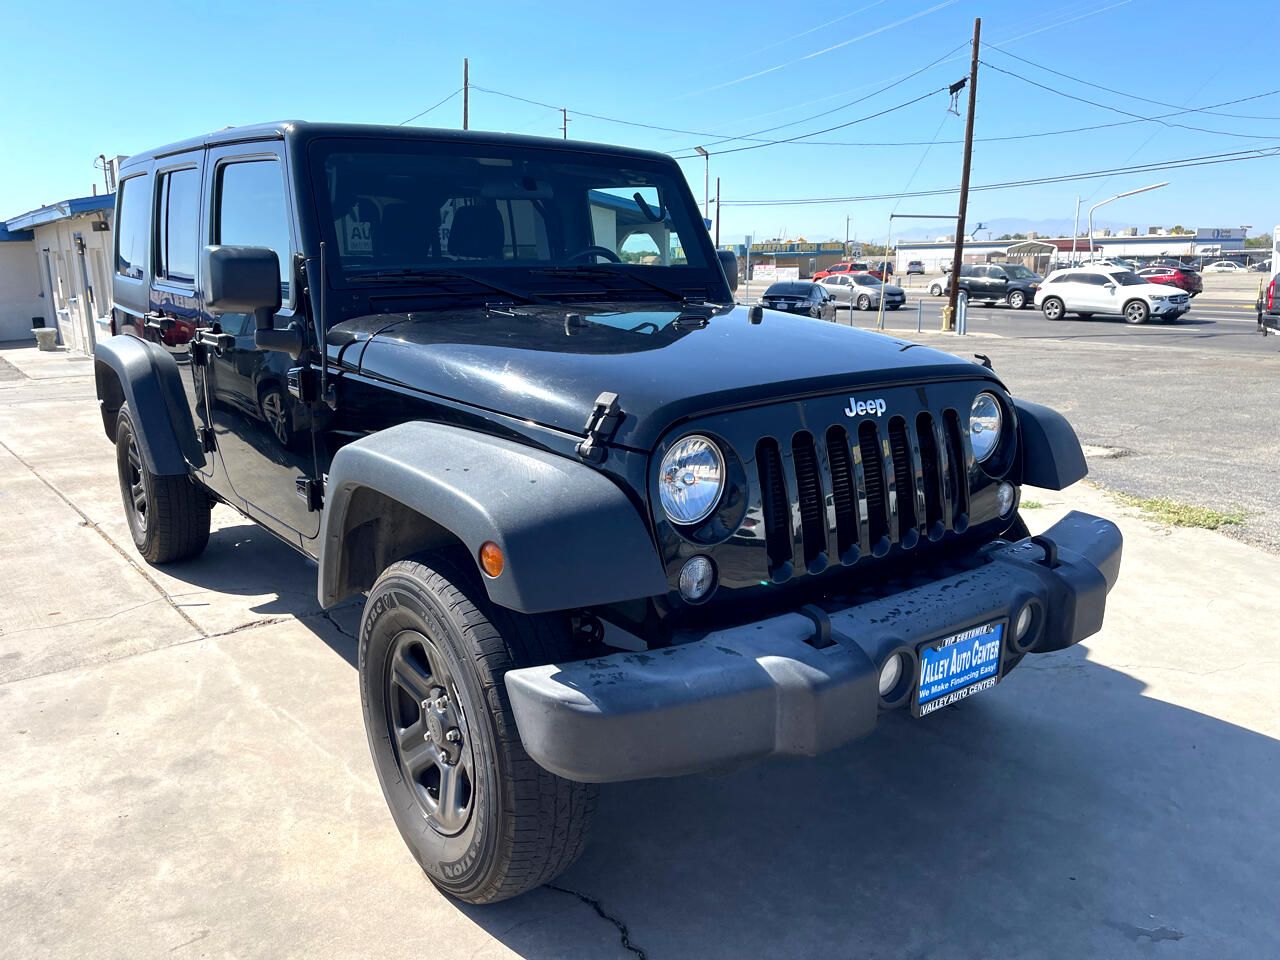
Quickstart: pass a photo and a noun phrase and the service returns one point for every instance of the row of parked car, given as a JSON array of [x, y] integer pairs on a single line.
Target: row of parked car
[[1103, 287]]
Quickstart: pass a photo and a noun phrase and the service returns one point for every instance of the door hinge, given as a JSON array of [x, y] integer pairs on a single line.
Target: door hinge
[[600, 427], [207, 442], [311, 491]]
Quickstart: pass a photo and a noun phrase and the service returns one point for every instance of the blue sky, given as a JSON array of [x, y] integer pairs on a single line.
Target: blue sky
[[84, 79]]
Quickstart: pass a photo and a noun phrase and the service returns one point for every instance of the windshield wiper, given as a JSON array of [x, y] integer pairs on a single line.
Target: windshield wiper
[[601, 272], [440, 276]]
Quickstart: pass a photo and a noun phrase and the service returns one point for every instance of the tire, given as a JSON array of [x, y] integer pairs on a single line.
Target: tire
[[273, 405], [894, 306], [1136, 312], [1053, 309], [514, 826], [935, 289], [864, 302], [1017, 299], [168, 516]]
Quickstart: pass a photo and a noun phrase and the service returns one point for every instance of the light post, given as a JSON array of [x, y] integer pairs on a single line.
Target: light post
[[1103, 203], [706, 182]]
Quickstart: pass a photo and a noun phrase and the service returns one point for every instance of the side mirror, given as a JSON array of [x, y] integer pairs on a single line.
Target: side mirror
[[729, 264], [247, 280]]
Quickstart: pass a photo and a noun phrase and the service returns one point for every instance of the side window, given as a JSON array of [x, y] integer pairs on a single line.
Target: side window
[[177, 226], [131, 231], [251, 211]]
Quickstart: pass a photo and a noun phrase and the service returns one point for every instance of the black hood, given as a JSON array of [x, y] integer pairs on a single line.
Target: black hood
[[548, 364]]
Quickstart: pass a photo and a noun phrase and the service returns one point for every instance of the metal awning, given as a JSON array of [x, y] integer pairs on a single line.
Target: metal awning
[[1031, 248]]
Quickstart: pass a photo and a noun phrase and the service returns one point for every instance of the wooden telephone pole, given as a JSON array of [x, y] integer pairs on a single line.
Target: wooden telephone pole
[[466, 94], [953, 286], [564, 123]]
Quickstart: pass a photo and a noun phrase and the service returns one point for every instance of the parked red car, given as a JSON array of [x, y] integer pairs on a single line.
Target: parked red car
[[882, 271], [1180, 277], [847, 266]]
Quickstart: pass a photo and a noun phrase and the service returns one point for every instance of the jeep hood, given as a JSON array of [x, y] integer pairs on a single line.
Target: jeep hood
[[548, 364]]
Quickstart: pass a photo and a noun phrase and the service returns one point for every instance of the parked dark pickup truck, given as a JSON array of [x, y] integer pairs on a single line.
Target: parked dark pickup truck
[[608, 524]]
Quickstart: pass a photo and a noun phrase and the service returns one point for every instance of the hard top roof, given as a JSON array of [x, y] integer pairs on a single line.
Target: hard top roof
[[298, 129]]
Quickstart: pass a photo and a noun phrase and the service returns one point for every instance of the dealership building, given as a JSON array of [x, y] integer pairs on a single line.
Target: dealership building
[[1038, 252]]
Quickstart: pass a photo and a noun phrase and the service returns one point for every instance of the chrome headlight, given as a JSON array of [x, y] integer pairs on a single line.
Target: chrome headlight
[[691, 479], [985, 420]]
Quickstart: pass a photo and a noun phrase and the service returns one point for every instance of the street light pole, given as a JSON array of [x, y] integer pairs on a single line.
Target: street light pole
[[706, 181], [1103, 203], [1075, 231]]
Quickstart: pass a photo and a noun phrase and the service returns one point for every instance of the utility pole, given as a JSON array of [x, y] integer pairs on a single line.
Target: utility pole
[[466, 94], [1075, 230], [564, 123], [954, 285], [717, 212], [706, 181]]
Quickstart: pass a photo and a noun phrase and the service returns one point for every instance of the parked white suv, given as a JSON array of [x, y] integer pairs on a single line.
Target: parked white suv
[[1109, 290]]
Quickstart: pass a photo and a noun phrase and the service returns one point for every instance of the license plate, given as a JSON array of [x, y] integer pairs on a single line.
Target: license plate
[[958, 666]]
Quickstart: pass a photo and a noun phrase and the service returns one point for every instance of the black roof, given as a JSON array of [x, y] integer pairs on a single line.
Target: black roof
[[299, 129]]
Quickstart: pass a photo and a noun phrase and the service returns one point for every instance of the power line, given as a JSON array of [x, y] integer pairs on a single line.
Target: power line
[[1136, 116], [429, 109], [816, 133], [1211, 159], [1134, 96]]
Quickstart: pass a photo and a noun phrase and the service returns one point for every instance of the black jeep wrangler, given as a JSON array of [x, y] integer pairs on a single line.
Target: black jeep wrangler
[[609, 524]]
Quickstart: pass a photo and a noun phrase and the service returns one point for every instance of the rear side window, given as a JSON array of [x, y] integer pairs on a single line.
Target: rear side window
[[251, 211], [131, 231], [177, 226]]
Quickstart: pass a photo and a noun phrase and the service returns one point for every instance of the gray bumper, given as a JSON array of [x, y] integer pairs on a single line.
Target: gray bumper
[[772, 688]]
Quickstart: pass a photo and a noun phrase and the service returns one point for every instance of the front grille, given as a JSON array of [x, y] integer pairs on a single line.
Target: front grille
[[861, 490]]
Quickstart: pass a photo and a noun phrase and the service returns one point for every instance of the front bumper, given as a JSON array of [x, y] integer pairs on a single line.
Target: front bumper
[[771, 688], [1165, 308]]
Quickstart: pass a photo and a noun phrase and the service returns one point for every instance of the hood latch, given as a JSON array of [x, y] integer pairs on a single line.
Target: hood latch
[[600, 427]]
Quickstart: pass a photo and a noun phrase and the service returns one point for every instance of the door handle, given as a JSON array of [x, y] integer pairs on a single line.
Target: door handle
[[158, 322], [218, 340]]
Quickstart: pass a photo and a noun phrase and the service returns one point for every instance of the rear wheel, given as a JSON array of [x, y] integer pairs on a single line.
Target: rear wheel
[[1017, 299], [1136, 311], [168, 516], [484, 820], [935, 289], [1053, 309]]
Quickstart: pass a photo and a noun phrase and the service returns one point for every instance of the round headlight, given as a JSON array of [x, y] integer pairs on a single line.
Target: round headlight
[[984, 425], [690, 479]]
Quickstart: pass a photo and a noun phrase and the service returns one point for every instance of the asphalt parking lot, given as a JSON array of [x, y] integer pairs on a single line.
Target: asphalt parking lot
[[185, 772]]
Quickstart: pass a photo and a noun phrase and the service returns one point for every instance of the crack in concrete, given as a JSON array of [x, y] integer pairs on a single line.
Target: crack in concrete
[[155, 584], [623, 933]]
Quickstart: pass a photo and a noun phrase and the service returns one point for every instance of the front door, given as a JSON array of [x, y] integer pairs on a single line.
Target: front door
[[263, 436]]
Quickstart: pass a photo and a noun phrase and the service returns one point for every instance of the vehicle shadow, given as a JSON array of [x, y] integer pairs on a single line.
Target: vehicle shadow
[[1065, 815]]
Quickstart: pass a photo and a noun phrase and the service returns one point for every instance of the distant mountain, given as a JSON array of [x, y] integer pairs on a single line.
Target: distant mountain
[[1048, 227]]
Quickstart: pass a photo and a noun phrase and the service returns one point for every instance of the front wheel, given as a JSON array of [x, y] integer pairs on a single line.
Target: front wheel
[[1136, 311], [1017, 299], [1053, 309], [168, 516], [864, 302], [483, 820]]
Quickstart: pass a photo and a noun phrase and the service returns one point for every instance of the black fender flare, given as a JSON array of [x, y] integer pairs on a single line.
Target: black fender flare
[[1051, 454], [145, 376], [570, 536]]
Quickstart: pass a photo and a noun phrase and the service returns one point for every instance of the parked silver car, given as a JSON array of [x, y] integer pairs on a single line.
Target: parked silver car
[[863, 291]]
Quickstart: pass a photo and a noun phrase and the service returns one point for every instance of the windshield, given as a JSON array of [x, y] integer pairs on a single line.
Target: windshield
[[866, 280], [1016, 271], [1127, 278], [400, 209], [789, 290]]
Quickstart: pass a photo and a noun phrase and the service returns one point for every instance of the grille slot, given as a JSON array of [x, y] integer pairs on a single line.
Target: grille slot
[[900, 451], [873, 479], [843, 495], [809, 491], [957, 472], [935, 523], [776, 507]]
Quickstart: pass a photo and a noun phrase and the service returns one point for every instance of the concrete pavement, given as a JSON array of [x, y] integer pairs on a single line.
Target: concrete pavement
[[185, 773]]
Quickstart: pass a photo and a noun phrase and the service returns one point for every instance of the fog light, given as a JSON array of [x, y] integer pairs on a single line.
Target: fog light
[[1005, 497], [697, 577], [890, 674], [1025, 616]]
